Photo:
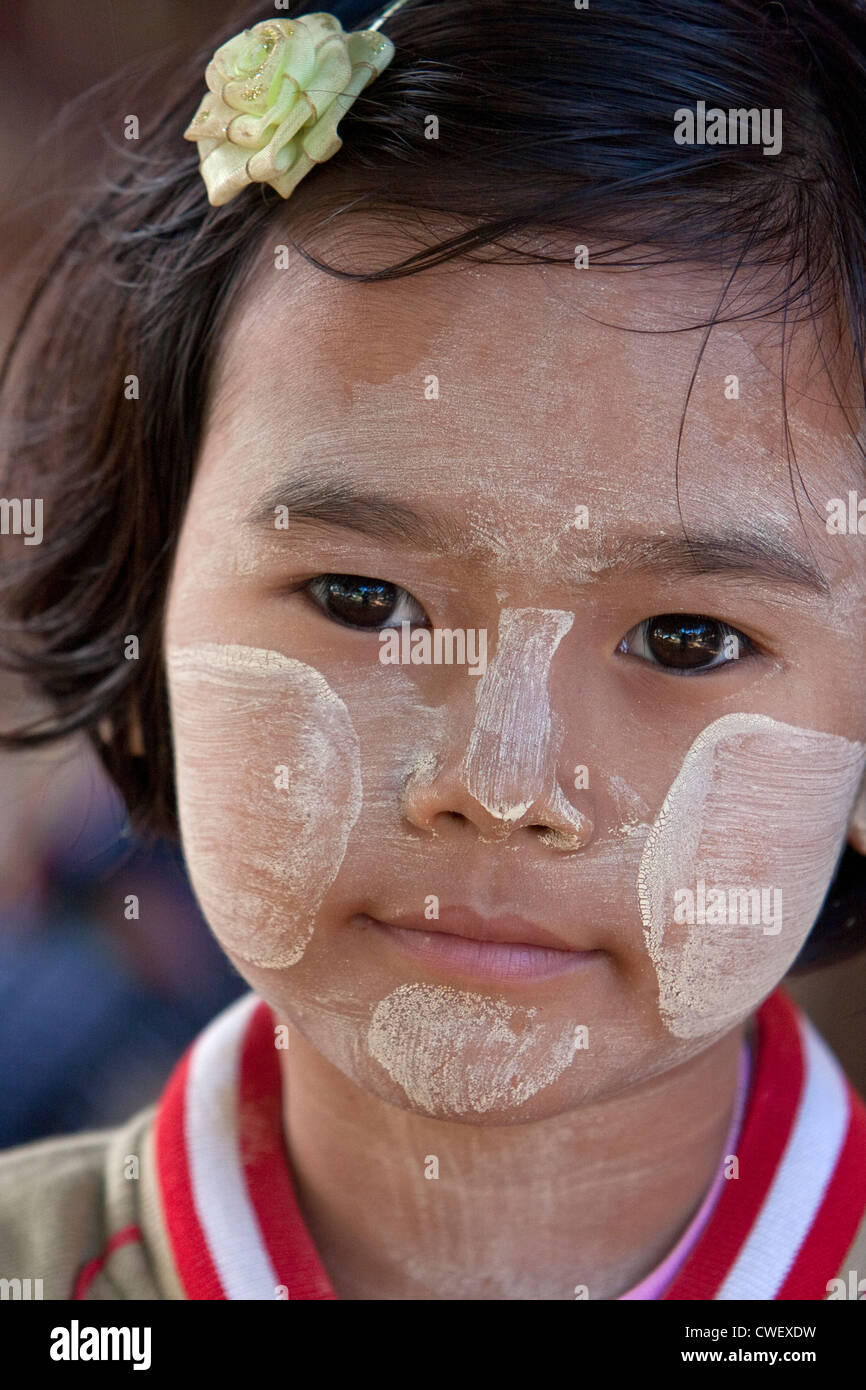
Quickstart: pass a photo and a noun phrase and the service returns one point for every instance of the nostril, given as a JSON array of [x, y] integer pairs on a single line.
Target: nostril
[[566, 839]]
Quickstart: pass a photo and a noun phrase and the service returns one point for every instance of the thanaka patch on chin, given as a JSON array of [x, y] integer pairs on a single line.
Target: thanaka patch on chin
[[453, 1052]]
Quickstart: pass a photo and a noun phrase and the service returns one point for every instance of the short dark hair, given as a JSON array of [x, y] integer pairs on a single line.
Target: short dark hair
[[553, 119]]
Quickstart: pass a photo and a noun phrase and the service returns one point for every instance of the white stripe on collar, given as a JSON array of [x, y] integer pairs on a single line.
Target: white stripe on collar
[[219, 1187], [800, 1181]]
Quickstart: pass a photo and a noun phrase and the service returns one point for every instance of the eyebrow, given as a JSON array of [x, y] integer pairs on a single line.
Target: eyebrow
[[737, 554], [336, 502], [313, 499]]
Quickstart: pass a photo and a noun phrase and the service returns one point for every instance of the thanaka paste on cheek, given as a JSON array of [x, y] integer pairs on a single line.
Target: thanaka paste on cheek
[[452, 1052], [760, 808], [268, 777]]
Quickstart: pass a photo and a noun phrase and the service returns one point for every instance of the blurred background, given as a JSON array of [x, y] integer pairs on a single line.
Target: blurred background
[[96, 1005], [107, 968]]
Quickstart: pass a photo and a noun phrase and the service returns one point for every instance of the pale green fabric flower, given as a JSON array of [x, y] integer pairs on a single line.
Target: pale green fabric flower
[[276, 93]]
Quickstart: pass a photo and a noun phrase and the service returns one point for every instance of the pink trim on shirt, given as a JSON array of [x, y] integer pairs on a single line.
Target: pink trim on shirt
[[660, 1278]]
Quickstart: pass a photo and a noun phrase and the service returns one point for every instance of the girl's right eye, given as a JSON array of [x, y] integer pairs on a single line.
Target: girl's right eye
[[362, 603]]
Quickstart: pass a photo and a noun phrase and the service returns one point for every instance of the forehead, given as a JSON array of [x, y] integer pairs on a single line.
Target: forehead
[[517, 391]]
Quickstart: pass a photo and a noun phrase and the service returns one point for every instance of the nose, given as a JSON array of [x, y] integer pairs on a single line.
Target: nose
[[503, 777]]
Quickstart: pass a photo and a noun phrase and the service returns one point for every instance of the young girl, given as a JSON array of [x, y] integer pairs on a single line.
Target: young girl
[[459, 545]]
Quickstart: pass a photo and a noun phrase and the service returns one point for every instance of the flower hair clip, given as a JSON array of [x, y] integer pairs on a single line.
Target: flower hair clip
[[276, 93]]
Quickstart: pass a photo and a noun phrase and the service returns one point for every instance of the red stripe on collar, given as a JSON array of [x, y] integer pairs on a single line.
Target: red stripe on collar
[[775, 1091], [248, 1057], [189, 1248], [267, 1169], [277, 1236], [837, 1219]]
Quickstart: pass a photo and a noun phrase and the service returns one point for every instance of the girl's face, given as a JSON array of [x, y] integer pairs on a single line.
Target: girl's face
[[648, 741]]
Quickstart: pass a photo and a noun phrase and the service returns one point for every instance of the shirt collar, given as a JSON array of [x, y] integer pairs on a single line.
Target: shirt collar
[[779, 1229]]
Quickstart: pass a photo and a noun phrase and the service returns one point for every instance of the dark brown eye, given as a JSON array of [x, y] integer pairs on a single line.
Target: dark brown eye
[[686, 642], [360, 602]]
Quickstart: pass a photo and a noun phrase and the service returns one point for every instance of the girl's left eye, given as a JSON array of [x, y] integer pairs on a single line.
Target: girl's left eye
[[686, 643], [359, 602]]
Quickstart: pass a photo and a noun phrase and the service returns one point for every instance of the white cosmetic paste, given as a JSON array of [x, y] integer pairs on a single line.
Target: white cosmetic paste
[[452, 1052], [760, 808], [630, 806], [509, 746], [262, 847]]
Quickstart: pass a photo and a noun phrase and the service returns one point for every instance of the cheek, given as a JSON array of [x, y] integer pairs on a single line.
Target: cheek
[[268, 781], [738, 862]]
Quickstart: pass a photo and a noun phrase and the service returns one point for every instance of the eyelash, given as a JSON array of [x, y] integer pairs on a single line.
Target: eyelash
[[740, 647]]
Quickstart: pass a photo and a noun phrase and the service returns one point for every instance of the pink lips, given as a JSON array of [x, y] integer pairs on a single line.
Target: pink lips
[[499, 948]]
